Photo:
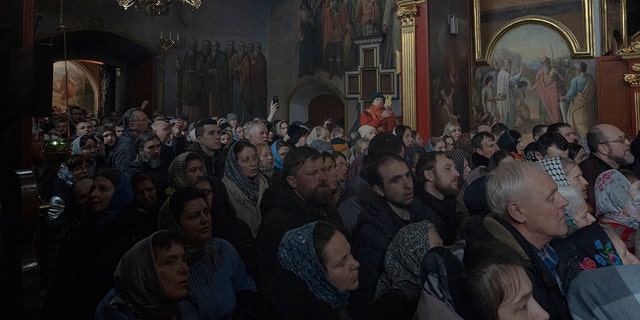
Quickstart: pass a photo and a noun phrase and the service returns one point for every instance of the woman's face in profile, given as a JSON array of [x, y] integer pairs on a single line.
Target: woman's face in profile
[[518, 303], [340, 265]]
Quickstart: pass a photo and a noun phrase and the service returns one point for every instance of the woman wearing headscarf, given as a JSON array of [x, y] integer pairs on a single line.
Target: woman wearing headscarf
[[86, 145], [184, 170], [400, 284], [245, 185], [90, 254], [317, 275], [618, 205], [599, 247], [279, 149], [219, 286], [149, 281]]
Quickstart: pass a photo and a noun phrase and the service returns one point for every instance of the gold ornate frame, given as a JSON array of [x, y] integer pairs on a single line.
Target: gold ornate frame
[[584, 48], [605, 25]]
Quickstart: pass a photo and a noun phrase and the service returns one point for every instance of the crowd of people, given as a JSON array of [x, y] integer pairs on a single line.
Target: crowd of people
[[218, 219]]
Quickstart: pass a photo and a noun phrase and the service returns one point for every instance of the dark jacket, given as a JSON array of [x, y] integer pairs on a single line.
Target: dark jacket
[[591, 168], [478, 160], [545, 288], [124, 152], [282, 210], [289, 297], [376, 227], [215, 165], [445, 209], [88, 258], [159, 173]]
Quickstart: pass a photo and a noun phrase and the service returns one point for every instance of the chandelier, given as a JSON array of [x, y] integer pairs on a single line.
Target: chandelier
[[155, 7]]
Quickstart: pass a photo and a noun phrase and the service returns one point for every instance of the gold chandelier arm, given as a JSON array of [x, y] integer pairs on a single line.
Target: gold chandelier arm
[[194, 3], [126, 3]]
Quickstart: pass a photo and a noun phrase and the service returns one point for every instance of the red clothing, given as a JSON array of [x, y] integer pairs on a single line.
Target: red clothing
[[373, 117]]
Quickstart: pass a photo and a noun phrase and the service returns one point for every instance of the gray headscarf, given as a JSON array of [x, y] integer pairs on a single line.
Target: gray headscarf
[[178, 169], [138, 283], [403, 260], [249, 186]]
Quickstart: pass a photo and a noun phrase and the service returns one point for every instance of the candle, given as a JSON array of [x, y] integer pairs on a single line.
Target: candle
[[169, 35], [178, 36], [161, 35]]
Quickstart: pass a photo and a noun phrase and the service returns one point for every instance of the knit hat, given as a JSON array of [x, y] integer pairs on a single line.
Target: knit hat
[[232, 116], [363, 130], [376, 95], [339, 144], [296, 132]]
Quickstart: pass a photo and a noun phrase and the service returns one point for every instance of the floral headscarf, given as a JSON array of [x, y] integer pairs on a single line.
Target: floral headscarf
[[594, 248], [297, 254], [617, 199], [178, 169]]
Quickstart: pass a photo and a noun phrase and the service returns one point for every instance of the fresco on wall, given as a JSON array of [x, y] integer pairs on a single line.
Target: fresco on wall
[[448, 68], [71, 85], [212, 81], [325, 30], [533, 79]]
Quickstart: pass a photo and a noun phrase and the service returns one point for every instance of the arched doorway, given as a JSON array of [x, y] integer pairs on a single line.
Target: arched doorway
[[326, 106], [313, 102]]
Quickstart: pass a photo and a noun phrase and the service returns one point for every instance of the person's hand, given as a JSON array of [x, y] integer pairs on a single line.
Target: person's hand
[[387, 113], [274, 107], [178, 128]]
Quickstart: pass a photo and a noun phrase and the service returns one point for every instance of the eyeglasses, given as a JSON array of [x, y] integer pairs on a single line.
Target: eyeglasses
[[620, 140]]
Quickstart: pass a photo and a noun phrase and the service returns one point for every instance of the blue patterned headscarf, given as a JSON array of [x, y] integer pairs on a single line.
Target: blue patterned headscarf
[[297, 254], [277, 160], [617, 199]]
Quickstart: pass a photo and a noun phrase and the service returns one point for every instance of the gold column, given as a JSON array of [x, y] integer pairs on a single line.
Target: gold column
[[408, 13]]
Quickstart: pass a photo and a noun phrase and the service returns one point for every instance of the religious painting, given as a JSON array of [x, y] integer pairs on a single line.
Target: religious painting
[[533, 79], [73, 85], [449, 73], [327, 32], [571, 17]]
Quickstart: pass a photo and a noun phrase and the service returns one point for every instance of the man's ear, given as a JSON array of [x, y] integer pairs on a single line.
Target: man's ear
[[291, 180], [515, 213], [478, 150], [428, 175], [603, 148], [378, 190], [199, 139]]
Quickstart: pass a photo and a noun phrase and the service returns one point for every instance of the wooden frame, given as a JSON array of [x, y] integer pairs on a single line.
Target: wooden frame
[[492, 19]]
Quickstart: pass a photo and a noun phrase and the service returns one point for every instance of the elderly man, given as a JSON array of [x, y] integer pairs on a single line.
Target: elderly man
[[135, 122], [609, 149], [256, 132], [301, 196], [528, 218], [148, 160]]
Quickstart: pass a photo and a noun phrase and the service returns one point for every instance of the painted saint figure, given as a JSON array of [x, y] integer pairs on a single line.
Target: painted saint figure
[[547, 85], [581, 96]]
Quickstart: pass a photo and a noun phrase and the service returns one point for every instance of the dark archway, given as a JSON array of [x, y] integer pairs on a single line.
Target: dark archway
[[326, 106]]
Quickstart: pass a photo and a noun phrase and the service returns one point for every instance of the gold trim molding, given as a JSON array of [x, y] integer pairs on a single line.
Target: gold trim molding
[[633, 50], [633, 79], [635, 67]]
